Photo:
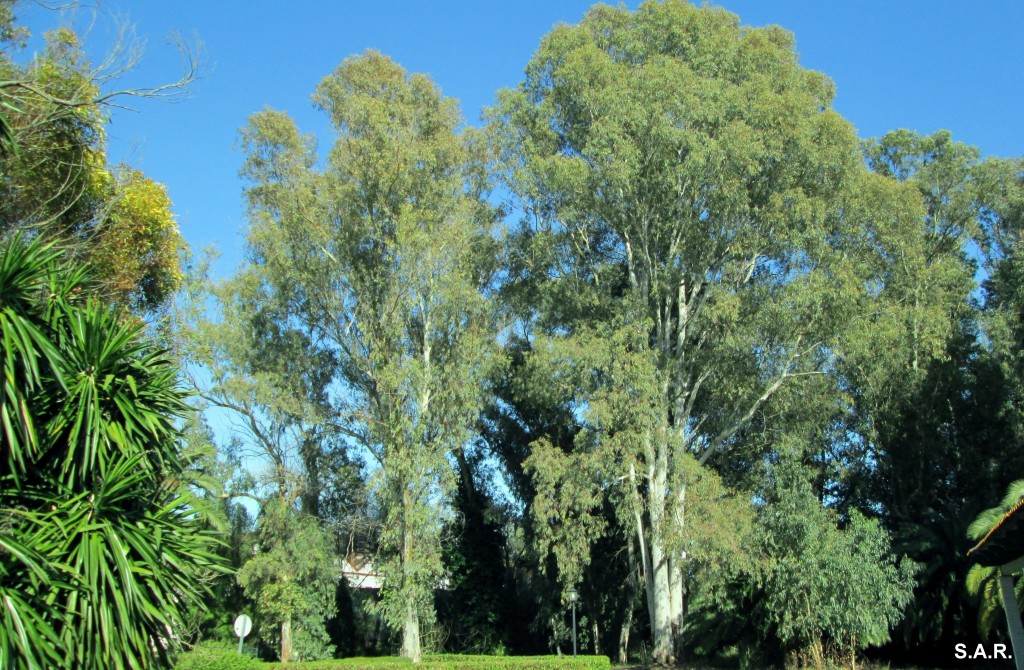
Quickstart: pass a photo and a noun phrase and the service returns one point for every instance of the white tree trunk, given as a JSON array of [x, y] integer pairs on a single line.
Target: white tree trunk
[[411, 635], [659, 598], [659, 589], [286, 639], [411, 625], [676, 602]]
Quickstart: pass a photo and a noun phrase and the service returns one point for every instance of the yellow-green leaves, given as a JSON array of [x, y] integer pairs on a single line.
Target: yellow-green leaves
[[58, 183], [136, 247]]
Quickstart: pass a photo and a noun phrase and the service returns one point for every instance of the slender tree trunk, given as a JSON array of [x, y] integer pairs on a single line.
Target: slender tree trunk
[[286, 639], [645, 560], [411, 635], [627, 620], [411, 625], [659, 596], [659, 589], [627, 624], [676, 575], [676, 601]]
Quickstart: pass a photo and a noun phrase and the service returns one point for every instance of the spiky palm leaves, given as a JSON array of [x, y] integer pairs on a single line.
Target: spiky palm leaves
[[99, 554], [983, 581]]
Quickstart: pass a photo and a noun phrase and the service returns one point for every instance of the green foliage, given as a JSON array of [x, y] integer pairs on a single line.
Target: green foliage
[[983, 581], [57, 182], [460, 662], [377, 663], [292, 578], [446, 662], [216, 657], [699, 243], [103, 553], [478, 594], [823, 583], [377, 255], [930, 397]]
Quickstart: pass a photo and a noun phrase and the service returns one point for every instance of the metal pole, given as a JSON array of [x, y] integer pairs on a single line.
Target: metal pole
[[574, 629], [240, 638]]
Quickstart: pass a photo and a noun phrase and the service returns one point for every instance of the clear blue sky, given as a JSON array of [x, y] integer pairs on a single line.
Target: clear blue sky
[[924, 65]]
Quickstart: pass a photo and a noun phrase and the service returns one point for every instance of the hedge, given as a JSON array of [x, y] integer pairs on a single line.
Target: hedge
[[221, 658], [374, 663], [457, 662], [446, 662], [210, 657]]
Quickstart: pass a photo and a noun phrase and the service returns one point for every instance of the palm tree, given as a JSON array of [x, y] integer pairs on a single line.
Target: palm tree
[[101, 553], [983, 581]]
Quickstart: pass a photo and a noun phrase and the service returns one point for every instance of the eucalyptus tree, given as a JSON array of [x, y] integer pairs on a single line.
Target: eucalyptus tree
[[1004, 305], [698, 229], [375, 255], [266, 387], [931, 401], [895, 372]]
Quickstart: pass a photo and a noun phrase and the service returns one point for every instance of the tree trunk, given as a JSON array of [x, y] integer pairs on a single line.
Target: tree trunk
[[627, 624], [627, 620], [659, 589], [411, 626], [411, 635], [676, 600], [659, 596], [286, 639]]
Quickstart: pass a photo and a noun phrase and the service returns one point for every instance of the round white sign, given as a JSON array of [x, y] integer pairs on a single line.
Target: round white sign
[[243, 625]]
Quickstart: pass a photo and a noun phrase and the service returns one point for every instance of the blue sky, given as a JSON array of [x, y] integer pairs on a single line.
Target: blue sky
[[922, 65]]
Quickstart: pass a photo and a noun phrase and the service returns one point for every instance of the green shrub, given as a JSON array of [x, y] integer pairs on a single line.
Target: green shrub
[[221, 658], [377, 663], [216, 657], [455, 662]]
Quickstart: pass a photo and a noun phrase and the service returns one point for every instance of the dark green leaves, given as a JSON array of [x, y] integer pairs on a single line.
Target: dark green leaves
[[99, 559]]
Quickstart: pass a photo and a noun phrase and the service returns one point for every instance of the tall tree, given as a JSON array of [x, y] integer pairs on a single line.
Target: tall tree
[[927, 393], [287, 454], [690, 196], [376, 255]]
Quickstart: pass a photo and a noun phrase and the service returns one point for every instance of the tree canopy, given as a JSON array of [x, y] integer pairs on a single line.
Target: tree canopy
[[663, 331]]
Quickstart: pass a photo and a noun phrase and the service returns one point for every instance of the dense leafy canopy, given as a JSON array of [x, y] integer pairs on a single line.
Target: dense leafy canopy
[[370, 267], [740, 378], [56, 179]]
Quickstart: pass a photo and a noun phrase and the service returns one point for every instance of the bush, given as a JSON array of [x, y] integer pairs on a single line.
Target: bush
[[377, 663], [212, 657], [222, 658], [458, 662], [453, 662], [102, 553]]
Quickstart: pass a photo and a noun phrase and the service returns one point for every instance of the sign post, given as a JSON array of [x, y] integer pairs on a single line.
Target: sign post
[[243, 625]]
